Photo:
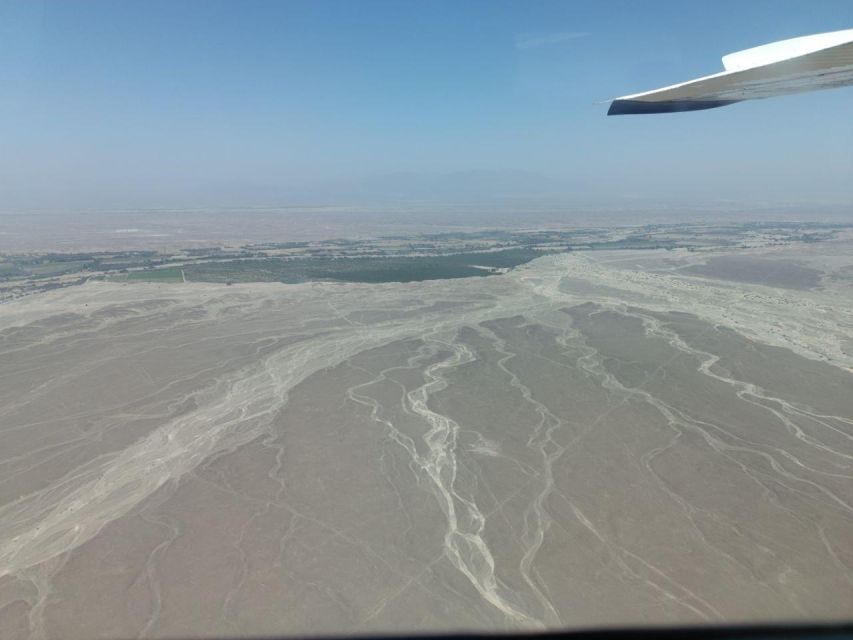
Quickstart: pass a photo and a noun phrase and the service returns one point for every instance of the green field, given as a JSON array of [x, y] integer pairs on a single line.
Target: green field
[[391, 269], [157, 275], [8, 269]]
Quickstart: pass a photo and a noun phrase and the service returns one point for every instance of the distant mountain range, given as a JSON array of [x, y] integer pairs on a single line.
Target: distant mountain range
[[479, 185]]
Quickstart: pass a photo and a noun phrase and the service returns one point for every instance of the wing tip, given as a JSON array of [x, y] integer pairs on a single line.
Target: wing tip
[[620, 107]]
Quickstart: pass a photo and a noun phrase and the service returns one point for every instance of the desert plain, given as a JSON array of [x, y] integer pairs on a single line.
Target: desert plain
[[589, 439]]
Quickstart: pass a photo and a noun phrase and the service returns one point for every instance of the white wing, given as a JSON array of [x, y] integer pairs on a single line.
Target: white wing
[[821, 61]]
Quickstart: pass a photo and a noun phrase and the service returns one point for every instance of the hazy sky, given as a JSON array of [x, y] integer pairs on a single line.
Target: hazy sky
[[111, 104]]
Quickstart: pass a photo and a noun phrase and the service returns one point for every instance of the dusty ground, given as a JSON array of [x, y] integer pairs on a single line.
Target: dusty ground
[[591, 439]]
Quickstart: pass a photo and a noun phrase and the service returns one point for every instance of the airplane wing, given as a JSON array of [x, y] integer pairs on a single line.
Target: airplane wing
[[809, 63]]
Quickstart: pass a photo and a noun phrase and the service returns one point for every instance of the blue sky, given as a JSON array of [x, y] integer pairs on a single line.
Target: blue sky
[[111, 104]]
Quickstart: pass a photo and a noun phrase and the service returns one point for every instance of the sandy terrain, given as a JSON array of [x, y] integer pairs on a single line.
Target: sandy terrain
[[626, 437]]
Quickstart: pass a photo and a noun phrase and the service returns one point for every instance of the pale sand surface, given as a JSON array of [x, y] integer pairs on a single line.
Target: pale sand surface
[[591, 439]]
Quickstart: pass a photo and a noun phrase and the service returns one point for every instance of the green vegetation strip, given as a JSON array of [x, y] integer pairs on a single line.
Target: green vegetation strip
[[157, 275], [394, 269]]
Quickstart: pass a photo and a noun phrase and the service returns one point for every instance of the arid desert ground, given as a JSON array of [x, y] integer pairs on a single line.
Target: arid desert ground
[[591, 439]]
